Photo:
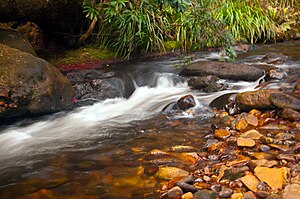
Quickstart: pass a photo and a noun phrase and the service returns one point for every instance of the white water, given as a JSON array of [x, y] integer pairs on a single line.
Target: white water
[[66, 130]]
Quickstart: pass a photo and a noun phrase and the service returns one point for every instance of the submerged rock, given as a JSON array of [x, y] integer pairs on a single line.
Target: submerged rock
[[274, 177], [165, 172], [206, 83], [223, 70], [291, 191]]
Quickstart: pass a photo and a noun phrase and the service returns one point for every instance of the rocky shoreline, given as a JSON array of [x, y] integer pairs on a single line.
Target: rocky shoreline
[[250, 155]]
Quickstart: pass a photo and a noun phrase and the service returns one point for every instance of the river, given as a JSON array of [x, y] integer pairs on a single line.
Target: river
[[97, 151]]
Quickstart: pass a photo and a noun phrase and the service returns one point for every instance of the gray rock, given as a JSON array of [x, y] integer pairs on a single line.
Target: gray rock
[[223, 70]]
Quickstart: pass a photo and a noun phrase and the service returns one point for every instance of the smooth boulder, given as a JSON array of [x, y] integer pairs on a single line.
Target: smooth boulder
[[30, 85], [223, 70], [282, 100], [259, 99]]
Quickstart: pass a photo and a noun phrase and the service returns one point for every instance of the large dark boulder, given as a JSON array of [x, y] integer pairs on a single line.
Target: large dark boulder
[[223, 70], [282, 100], [30, 85]]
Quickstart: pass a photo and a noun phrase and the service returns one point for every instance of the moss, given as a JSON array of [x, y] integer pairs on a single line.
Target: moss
[[83, 54], [171, 45]]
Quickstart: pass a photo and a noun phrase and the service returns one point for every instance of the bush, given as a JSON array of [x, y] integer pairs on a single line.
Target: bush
[[131, 27]]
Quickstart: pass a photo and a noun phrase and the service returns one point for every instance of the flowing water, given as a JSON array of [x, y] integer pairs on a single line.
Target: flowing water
[[98, 151]]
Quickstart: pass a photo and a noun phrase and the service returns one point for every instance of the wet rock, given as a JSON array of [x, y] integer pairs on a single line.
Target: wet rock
[[174, 193], [250, 181], [274, 196], [287, 157], [291, 191], [16, 40], [283, 100], [186, 187], [186, 102], [255, 99], [210, 142], [237, 196], [182, 148], [167, 173], [205, 194], [290, 114], [245, 142], [225, 192], [227, 102], [264, 148], [202, 82], [92, 85], [222, 133], [262, 186], [223, 70], [274, 177], [274, 58], [252, 134], [263, 194], [34, 85], [276, 74], [249, 195], [264, 163], [241, 47], [187, 195]]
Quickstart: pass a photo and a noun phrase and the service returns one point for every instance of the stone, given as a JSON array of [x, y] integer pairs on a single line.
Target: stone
[[187, 195], [168, 173], [236, 196], [202, 82], [276, 74], [222, 133], [263, 162], [35, 86], [290, 114], [263, 194], [274, 177], [252, 134], [249, 195], [245, 142], [274, 196], [282, 100], [250, 181], [223, 70], [205, 194], [186, 102], [175, 193], [291, 191], [251, 120], [225, 192], [259, 99]]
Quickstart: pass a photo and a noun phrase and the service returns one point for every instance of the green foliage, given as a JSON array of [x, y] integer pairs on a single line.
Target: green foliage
[[131, 27], [247, 20]]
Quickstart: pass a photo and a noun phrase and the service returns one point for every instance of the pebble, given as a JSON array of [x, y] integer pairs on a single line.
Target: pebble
[[175, 192], [168, 173], [274, 177], [222, 133], [205, 194], [245, 142], [187, 195], [264, 148], [263, 194], [249, 195], [250, 181], [225, 192], [237, 196], [252, 134]]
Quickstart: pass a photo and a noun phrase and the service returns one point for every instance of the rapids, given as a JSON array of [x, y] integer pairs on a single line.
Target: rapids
[[27, 147]]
